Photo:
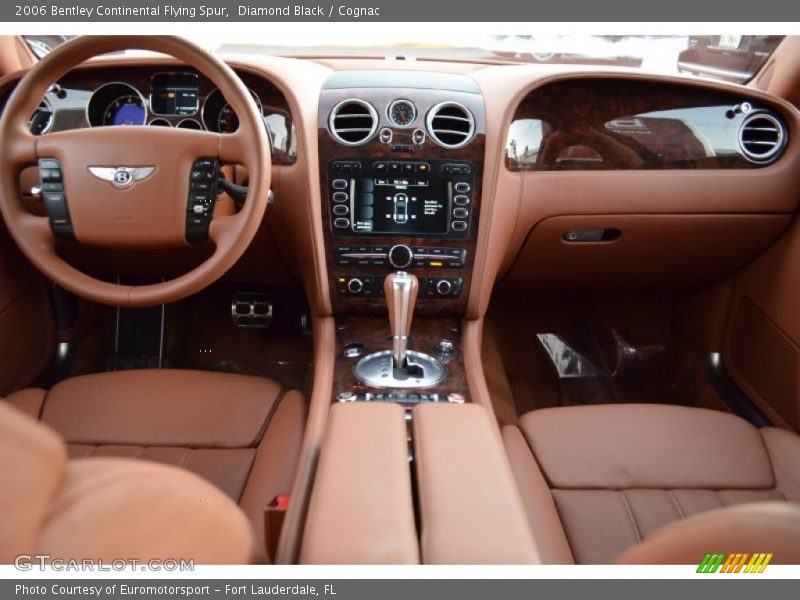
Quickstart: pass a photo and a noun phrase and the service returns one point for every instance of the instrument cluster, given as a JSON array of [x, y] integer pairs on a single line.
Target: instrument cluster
[[173, 100], [143, 96]]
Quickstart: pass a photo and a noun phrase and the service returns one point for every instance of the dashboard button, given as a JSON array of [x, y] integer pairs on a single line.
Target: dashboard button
[[341, 223]]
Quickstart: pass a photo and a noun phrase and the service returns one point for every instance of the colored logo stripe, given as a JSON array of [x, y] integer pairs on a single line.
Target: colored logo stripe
[[734, 563]]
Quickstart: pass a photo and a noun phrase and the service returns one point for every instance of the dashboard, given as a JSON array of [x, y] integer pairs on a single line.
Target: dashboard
[[474, 175]]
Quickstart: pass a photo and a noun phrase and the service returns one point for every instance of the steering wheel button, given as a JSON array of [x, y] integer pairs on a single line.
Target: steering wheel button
[[50, 175]]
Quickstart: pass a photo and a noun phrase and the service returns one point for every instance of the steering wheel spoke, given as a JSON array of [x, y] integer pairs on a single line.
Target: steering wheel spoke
[[20, 148], [233, 148]]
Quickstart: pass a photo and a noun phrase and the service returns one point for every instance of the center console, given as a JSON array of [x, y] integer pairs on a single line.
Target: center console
[[401, 165]]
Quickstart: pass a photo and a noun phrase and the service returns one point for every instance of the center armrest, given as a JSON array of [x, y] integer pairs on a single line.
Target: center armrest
[[471, 511], [361, 509]]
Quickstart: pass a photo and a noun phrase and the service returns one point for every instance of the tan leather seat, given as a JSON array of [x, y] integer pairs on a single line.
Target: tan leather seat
[[241, 433], [108, 509], [599, 480]]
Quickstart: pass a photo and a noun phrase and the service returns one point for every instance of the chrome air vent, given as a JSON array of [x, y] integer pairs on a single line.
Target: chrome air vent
[[450, 124], [42, 119], [762, 137], [353, 122]]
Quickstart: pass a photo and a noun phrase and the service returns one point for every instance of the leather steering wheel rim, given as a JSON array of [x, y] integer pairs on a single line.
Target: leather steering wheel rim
[[177, 148]]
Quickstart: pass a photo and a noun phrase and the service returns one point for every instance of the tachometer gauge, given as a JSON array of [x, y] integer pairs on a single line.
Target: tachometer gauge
[[125, 110], [219, 116], [402, 113], [228, 120]]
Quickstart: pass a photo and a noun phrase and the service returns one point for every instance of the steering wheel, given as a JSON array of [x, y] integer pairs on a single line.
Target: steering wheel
[[129, 187]]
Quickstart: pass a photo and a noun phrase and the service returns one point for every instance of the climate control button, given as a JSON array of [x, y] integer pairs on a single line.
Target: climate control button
[[444, 287], [355, 285]]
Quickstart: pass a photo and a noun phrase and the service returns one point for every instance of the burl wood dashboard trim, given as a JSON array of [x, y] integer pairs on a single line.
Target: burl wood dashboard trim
[[330, 149], [628, 124]]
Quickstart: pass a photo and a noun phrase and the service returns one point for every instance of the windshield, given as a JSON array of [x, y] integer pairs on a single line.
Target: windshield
[[734, 58]]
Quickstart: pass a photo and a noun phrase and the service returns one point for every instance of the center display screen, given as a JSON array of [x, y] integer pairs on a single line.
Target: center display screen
[[174, 94], [407, 198], [400, 205]]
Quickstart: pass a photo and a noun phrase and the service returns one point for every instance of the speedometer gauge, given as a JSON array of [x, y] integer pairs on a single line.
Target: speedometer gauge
[[116, 103], [402, 113], [125, 110]]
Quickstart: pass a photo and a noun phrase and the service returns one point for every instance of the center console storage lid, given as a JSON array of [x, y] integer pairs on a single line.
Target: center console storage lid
[[470, 509], [361, 509]]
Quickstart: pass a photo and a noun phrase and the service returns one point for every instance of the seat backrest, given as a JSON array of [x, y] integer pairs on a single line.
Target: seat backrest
[[33, 462], [108, 508], [761, 527]]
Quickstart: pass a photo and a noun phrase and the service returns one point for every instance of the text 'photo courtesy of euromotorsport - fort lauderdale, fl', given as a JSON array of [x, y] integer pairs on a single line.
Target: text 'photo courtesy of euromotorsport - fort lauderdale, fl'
[[361, 299]]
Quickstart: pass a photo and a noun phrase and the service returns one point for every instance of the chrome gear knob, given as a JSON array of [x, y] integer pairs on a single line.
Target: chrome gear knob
[[401, 291]]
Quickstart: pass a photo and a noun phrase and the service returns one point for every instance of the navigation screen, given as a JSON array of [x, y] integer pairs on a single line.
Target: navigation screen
[[398, 205], [174, 94]]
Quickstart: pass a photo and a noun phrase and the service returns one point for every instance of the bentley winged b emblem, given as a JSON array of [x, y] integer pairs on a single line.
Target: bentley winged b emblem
[[122, 177]]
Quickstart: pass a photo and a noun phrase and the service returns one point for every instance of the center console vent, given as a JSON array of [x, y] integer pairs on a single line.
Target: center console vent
[[762, 137], [450, 124], [353, 122]]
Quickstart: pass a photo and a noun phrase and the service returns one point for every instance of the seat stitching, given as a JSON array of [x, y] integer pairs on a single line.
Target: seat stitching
[[675, 503], [273, 411], [184, 458], [542, 470], [766, 447], [562, 520], [631, 516]]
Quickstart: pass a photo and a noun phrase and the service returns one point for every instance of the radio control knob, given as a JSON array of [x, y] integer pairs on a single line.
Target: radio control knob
[[400, 256], [355, 285], [444, 287]]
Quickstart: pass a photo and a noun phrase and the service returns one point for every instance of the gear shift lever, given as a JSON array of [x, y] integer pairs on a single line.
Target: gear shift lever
[[401, 290], [400, 368]]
